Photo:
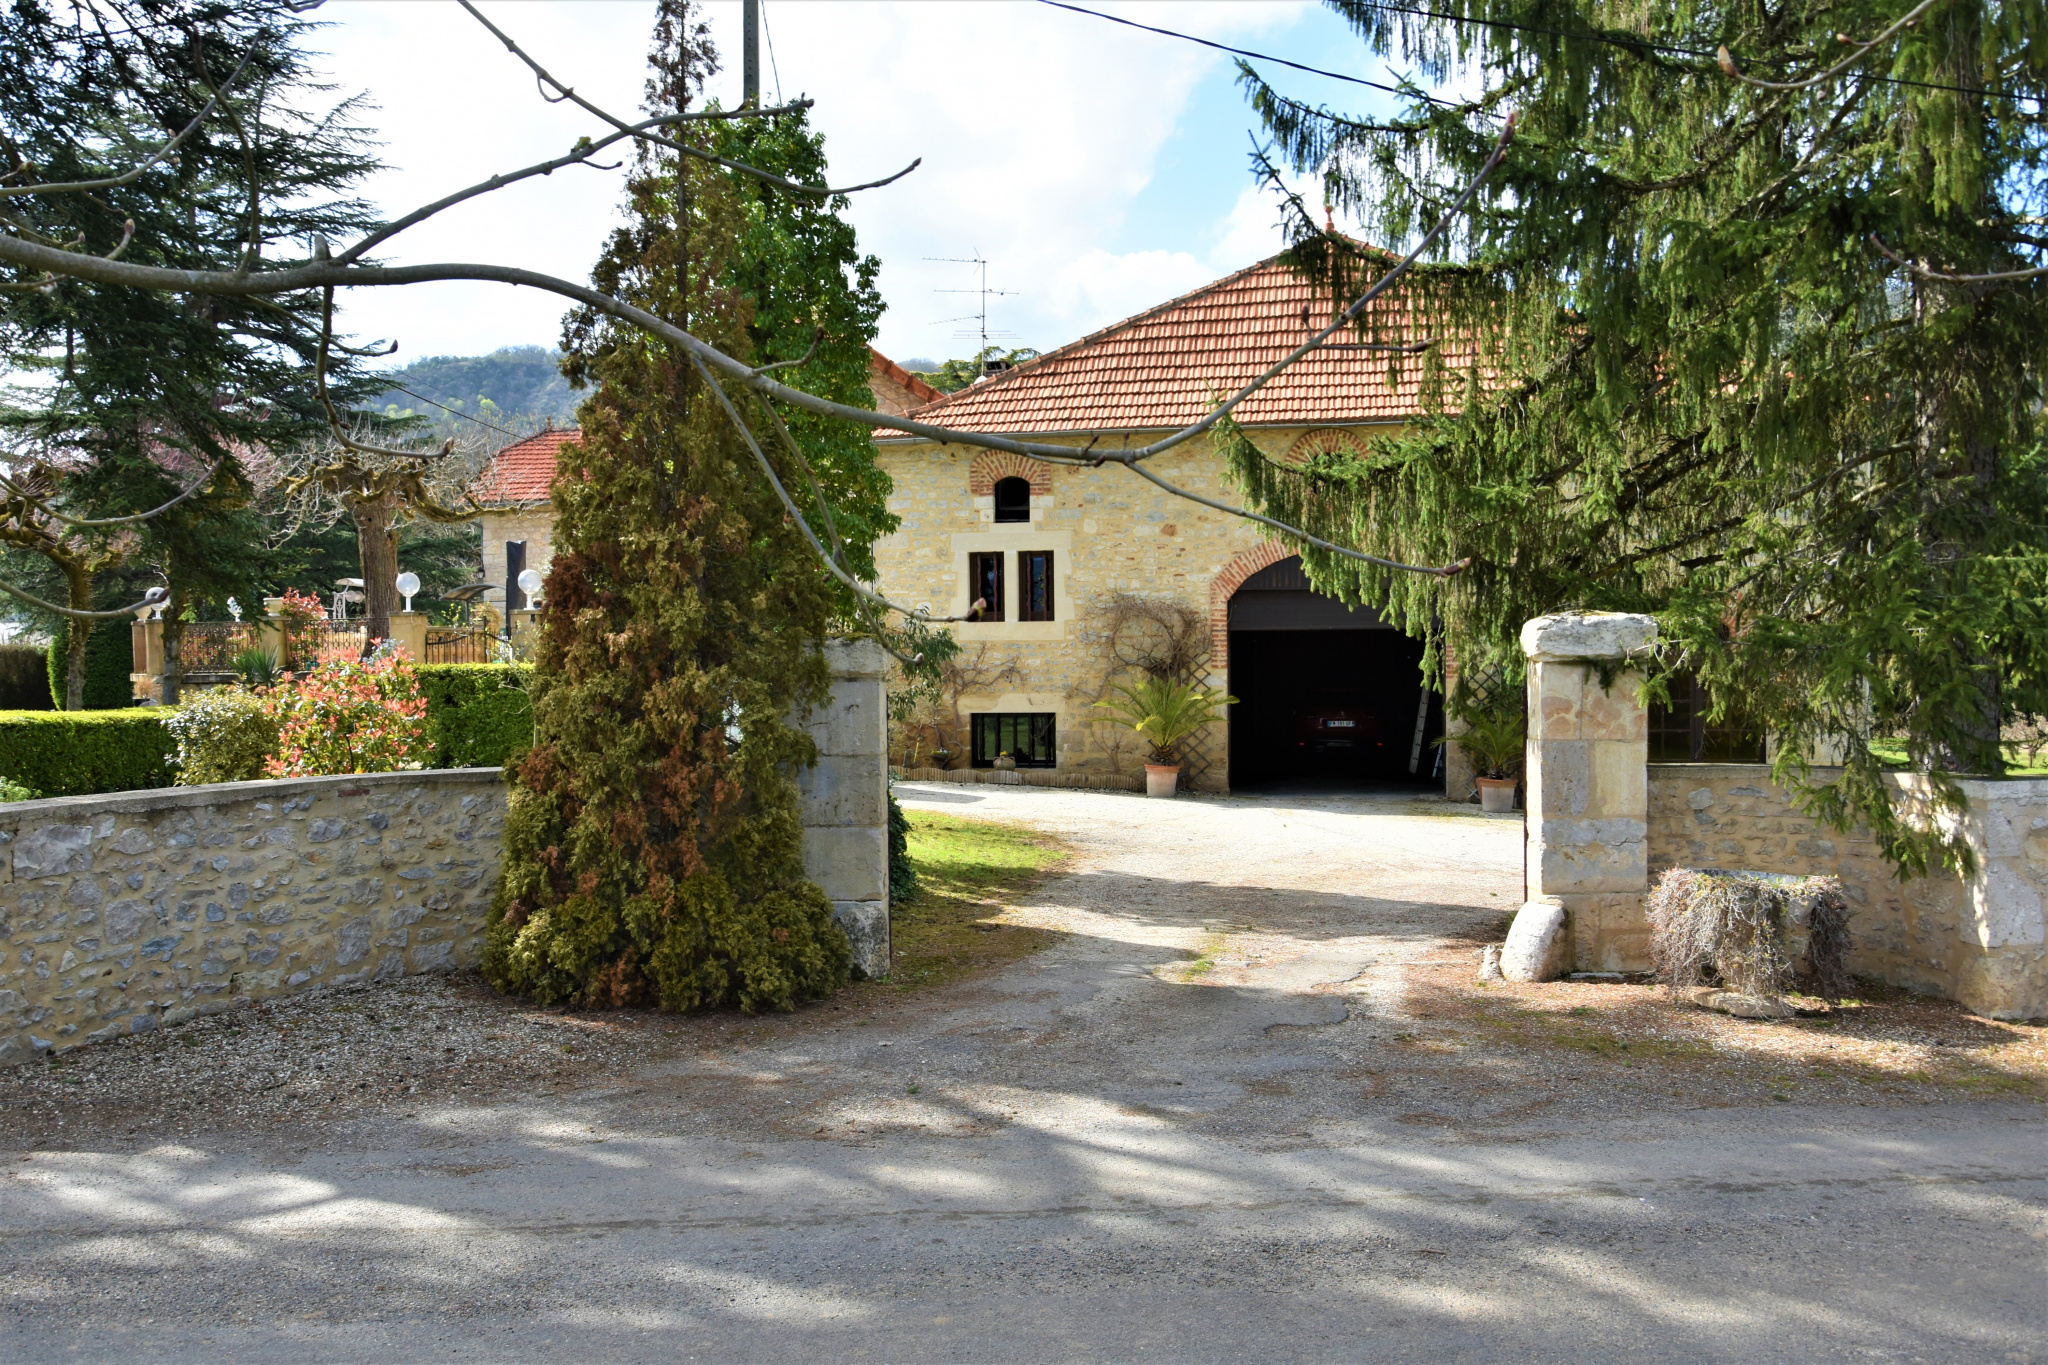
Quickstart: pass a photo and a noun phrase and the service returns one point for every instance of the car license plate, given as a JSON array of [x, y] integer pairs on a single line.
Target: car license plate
[[1340, 724]]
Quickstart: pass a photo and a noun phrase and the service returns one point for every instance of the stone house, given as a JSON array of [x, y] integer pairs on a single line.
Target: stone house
[[1083, 566], [1069, 558], [518, 530]]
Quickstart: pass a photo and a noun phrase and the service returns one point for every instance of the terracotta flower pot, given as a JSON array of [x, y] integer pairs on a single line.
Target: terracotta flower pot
[[1162, 779], [1003, 763], [1497, 794]]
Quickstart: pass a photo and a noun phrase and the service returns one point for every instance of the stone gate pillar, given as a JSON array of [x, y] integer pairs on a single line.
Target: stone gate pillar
[[1588, 799]]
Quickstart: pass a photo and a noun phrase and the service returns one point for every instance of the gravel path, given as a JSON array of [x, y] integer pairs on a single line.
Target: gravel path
[[1224, 1116]]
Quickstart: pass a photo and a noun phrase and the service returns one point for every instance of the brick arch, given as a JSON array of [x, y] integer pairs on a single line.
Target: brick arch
[[992, 466], [1228, 580], [1322, 441]]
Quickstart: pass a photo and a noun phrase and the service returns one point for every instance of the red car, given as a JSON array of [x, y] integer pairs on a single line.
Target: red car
[[1337, 729]]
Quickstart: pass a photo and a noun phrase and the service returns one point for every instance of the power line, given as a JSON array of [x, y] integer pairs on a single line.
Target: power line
[[1632, 44], [457, 412], [769, 34], [1246, 52]]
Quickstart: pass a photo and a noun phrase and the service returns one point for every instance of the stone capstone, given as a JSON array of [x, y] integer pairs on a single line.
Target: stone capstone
[[1589, 635]]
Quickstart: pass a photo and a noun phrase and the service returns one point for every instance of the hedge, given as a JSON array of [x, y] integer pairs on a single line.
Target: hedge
[[478, 715], [24, 678], [78, 753], [109, 657]]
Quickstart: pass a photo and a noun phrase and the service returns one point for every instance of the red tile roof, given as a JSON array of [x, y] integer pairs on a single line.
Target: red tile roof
[[1165, 367], [896, 389], [522, 471]]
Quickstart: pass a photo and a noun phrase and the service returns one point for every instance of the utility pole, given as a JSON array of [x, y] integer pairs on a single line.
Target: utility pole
[[750, 52]]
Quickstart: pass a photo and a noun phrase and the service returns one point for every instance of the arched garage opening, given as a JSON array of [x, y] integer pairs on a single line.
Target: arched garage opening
[[1327, 696]]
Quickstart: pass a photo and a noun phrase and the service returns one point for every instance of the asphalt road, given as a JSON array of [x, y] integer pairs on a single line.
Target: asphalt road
[[1106, 1152]]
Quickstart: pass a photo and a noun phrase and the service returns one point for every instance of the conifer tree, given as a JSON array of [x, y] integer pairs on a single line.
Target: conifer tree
[[654, 845], [1748, 332], [136, 393]]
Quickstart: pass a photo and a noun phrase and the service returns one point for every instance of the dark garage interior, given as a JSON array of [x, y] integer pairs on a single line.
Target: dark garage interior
[[1326, 696]]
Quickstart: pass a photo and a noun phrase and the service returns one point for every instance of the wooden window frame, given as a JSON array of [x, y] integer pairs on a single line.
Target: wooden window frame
[[1031, 605], [993, 561]]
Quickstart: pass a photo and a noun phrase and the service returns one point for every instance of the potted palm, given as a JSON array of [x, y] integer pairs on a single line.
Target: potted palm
[[1495, 740], [1164, 713]]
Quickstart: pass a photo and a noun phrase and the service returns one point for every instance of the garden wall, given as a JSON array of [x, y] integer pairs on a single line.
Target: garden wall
[[1983, 941], [120, 912]]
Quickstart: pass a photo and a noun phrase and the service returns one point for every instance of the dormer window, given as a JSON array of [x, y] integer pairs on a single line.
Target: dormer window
[[1013, 499]]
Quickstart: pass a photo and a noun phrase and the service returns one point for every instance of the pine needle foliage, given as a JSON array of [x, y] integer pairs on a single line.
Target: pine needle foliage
[[1676, 373], [653, 848]]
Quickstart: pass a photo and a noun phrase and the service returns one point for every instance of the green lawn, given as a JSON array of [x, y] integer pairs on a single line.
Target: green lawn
[[968, 872], [1894, 755]]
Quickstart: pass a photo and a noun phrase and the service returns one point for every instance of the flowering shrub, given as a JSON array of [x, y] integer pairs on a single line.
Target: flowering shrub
[[303, 618], [224, 734], [350, 717]]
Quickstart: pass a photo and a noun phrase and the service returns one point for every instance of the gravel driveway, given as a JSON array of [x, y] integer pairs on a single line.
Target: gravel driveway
[[1225, 1116]]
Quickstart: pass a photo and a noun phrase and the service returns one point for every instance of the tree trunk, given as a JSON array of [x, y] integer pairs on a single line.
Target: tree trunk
[[377, 553], [174, 643], [79, 584]]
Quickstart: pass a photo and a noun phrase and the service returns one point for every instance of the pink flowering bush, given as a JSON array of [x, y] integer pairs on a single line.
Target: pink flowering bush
[[350, 717], [304, 619]]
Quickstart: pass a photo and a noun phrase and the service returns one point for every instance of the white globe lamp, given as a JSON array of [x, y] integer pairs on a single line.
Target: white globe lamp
[[408, 584], [529, 583]]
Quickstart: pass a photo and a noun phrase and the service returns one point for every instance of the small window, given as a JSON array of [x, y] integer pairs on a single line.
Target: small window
[[1034, 585], [985, 581], [1028, 737], [1013, 499], [1679, 733]]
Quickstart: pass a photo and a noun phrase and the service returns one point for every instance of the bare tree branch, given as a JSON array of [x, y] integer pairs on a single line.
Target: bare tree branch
[[93, 523], [1863, 50], [128, 176], [789, 506], [541, 74], [149, 599], [1445, 572], [1926, 274], [329, 274]]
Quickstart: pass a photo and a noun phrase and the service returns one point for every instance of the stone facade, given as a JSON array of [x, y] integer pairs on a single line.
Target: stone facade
[[1109, 531], [120, 912], [1983, 941], [535, 526]]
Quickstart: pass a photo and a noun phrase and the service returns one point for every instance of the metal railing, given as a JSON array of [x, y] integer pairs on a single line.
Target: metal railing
[[211, 646], [462, 645]]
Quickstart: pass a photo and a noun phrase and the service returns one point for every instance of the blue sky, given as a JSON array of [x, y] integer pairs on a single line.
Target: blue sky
[[1099, 169]]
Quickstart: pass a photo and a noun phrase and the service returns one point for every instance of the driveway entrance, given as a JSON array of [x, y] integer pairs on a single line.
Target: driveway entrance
[[1227, 1116]]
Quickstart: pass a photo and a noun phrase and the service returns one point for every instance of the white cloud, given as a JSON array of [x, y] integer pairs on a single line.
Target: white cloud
[[1038, 129]]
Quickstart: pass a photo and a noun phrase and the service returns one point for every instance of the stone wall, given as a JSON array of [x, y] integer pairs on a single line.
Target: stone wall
[[123, 911], [1983, 941], [119, 912]]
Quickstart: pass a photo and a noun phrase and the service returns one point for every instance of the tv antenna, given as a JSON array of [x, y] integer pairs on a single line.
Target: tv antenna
[[981, 317]]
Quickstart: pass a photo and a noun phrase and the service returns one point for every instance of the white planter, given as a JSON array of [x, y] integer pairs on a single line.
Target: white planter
[[1497, 794], [1161, 779]]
